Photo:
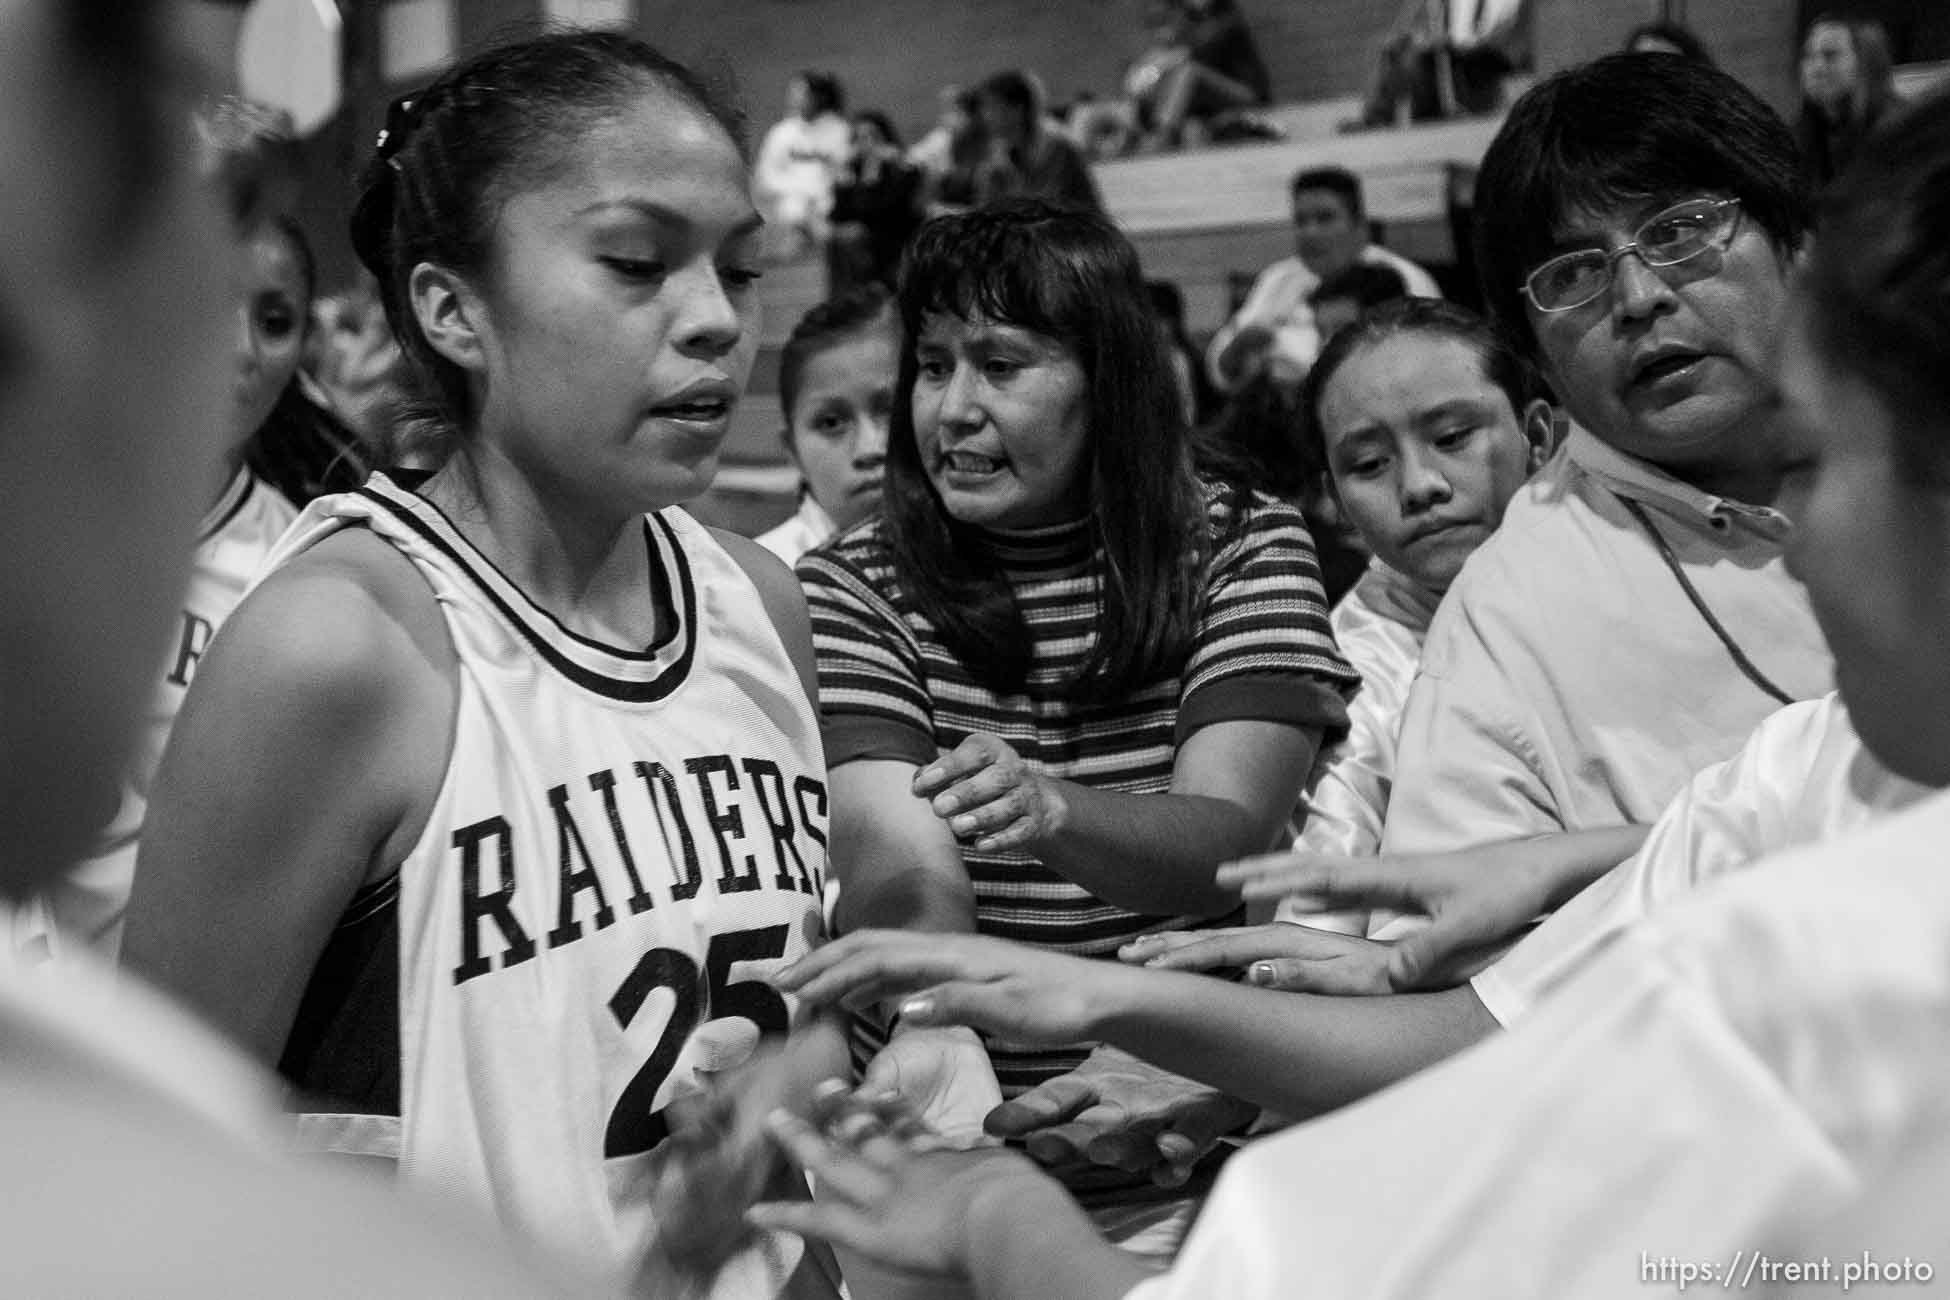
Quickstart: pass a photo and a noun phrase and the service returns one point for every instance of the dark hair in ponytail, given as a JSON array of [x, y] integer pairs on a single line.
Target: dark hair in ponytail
[[488, 128]]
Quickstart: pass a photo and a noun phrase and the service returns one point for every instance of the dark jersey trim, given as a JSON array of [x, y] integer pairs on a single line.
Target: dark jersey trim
[[226, 510], [622, 689]]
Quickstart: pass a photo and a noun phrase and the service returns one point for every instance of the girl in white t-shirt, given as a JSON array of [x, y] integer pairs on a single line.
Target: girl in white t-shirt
[[836, 382]]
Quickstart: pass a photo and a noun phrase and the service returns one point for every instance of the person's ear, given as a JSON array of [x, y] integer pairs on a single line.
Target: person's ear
[[450, 313], [1543, 430]]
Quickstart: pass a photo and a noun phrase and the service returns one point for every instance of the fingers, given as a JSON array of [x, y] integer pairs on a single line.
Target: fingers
[[1056, 1102], [842, 1225], [832, 1165], [872, 964], [986, 819], [1226, 948], [1140, 951], [1061, 1146], [964, 760], [1326, 881]]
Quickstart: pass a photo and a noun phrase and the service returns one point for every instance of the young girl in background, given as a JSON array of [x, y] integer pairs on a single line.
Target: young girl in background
[[281, 448], [1427, 423], [836, 382]]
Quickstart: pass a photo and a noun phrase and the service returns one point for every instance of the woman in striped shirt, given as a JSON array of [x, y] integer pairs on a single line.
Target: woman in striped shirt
[[1062, 677]]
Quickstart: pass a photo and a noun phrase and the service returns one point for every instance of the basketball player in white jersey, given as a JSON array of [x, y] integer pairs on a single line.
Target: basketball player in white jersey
[[242, 144], [498, 800]]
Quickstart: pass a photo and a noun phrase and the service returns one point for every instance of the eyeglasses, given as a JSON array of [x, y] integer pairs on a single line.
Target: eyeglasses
[[1683, 231]]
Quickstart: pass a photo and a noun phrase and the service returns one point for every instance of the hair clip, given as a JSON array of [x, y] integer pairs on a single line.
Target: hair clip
[[402, 117]]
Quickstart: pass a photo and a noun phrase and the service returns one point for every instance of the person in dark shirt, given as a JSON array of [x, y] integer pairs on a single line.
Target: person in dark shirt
[[1221, 74], [1026, 158], [876, 207]]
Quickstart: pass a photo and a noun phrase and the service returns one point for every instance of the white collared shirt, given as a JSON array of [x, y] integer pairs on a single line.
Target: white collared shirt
[[809, 526], [1569, 683], [1803, 777]]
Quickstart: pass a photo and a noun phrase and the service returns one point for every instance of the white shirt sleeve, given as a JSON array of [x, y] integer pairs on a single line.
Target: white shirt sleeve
[[1567, 1157], [1466, 772], [1278, 301], [1727, 817]]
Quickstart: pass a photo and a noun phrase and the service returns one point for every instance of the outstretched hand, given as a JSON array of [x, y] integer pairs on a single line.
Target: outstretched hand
[[1028, 994], [1294, 958], [719, 1160], [888, 1189], [943, 1074], [991, 799], [1476, 900], [1119, 1112]]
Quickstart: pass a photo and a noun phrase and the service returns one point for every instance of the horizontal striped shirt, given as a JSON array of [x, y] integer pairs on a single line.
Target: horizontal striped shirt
[[1261, 649]]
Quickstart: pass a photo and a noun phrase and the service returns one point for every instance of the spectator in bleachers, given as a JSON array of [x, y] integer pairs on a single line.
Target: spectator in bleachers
[[876, 207], [1026, 158], [1847, 87], [1443, 58], [953, 155], [1667, 38], [1274, 332], [1343, 299], [1219, 74], [800, 160]]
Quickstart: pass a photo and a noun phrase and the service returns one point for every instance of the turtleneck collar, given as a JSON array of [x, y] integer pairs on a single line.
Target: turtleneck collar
[[1050, 549]]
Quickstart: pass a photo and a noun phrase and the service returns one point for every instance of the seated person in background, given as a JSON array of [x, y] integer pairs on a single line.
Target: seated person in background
[[1666, 38], [1739, 1067], [1274, 331], [836, 385], [1632, 621], [952, 155], [799, 159], [876, 207], [1847, 88], [1343, 299], [1444, 58], [930, 152], [1026, 158], [279, 450], [1429, 424], [1219, 74]]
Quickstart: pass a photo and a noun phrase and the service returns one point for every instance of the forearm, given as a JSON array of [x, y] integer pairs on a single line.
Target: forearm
[[906, 898], [1152, 853], [1034, 1240], [1294, 1053]]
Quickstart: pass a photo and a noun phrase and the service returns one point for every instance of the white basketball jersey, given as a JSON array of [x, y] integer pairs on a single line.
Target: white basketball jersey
[[233, 544], [625, 844]]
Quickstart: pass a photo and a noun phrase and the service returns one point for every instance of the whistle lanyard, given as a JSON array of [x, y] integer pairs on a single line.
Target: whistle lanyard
[[1739, 656]]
